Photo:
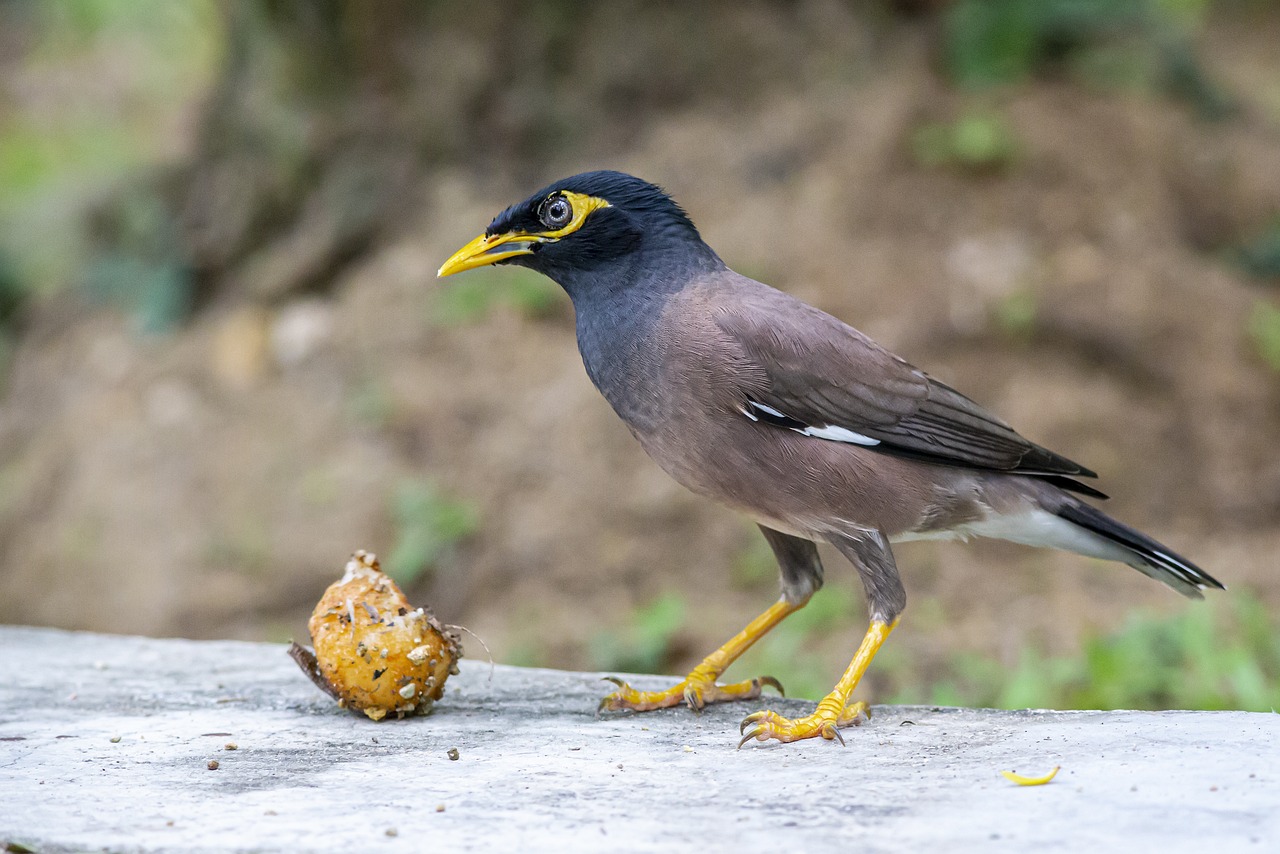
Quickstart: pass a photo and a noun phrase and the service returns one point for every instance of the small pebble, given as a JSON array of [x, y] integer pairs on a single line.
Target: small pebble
[[230, 745], [213, 765], [115, 739], [452, 753], [439, 807], [391, 831]]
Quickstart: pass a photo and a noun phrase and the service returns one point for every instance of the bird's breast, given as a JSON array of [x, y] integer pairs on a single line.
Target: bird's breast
[[626, 364]]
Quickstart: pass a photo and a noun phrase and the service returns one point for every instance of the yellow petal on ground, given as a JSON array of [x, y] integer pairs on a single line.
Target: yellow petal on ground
[[1030, 781]]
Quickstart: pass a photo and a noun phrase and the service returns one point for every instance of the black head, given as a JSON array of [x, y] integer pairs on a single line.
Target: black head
[[586, 224]]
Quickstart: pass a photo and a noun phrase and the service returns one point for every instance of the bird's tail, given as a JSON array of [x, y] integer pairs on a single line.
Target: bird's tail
[[1141, 552]]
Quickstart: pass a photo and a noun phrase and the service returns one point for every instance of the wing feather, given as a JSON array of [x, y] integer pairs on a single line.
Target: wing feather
[[820, 373]]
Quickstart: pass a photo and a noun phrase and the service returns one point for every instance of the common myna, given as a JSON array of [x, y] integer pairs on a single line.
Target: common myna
[[748, 396]]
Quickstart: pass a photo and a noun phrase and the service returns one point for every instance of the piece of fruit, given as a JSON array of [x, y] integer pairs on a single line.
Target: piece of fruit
[[374, 652]]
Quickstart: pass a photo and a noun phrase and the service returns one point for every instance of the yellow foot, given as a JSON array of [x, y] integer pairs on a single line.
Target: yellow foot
[[824, 722], [694, 691]]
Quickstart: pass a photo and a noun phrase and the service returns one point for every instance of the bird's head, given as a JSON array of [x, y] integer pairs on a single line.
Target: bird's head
[[580, 225]]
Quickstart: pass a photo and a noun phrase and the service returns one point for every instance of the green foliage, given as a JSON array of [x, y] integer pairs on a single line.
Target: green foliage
[[1103, 42], [644, 644], [471, 298], [157, 293], [428, 525], [755, 566], [991, 41], [979, 142], [1261, 255], [1016, 314], [142, 272], [58, 154], [525, 655], [1264, 329], [12, 294], [1221, 655]]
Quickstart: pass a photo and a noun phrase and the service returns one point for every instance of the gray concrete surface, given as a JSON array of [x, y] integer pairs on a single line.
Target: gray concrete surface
[[105, 743]]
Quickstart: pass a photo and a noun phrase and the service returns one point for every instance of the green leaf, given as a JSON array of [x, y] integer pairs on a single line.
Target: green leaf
[[428, 525]]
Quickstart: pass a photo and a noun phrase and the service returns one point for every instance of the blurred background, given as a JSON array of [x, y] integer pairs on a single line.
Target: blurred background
[[226, 363]]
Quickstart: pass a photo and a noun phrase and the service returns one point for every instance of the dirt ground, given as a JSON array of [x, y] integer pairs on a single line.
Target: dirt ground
[[212, 482]]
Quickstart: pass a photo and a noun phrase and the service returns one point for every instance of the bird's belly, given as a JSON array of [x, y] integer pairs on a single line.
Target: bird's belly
[[795, 484]]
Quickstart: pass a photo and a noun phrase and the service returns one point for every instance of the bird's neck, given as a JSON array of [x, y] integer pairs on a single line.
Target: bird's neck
[[659, 265], [618, 309]]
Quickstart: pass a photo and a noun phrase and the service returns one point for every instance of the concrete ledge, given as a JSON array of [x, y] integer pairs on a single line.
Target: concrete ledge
[[105, 742]]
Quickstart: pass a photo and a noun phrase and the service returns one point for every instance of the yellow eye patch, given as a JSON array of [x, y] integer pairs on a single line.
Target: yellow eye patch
[[582, 206]]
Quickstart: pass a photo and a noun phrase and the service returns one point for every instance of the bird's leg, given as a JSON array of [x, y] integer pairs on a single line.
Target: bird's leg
[[869, 552], [801, 570], [834, 711], [699, 687]]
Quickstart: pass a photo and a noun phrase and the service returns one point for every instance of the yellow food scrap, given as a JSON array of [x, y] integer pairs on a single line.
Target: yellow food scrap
[[375, 652], [1030, 781]]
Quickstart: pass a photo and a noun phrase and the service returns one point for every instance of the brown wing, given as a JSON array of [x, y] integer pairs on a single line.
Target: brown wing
[[811, 373]]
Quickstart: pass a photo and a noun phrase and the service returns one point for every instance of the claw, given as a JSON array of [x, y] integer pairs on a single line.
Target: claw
[[854, 714], [615, 680], [769, 680], [750, 719], [764, 725]]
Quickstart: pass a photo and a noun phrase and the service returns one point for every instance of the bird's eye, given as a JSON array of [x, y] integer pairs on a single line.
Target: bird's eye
[[556, 212]]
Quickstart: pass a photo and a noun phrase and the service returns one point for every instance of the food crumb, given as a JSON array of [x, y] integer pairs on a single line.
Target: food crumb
[[213, 765], [391, 831], [115, 739], [687, 749], [439, 807], [230, 745], [452, 753]]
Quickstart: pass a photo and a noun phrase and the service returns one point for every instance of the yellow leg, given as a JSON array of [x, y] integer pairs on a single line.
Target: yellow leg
[[834, 711], [699, 687]]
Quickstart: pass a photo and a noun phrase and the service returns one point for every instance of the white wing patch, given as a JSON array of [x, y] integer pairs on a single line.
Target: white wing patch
[[839, 434], [767, 409], [830, 432]]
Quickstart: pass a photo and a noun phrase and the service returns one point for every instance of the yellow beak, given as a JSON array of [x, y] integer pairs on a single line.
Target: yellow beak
[[489, 249]]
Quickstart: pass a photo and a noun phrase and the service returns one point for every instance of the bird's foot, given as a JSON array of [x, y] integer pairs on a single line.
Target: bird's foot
[[695, 690], [826, 722]]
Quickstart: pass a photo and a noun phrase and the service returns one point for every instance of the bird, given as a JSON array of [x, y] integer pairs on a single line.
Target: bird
[[750, 397]]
